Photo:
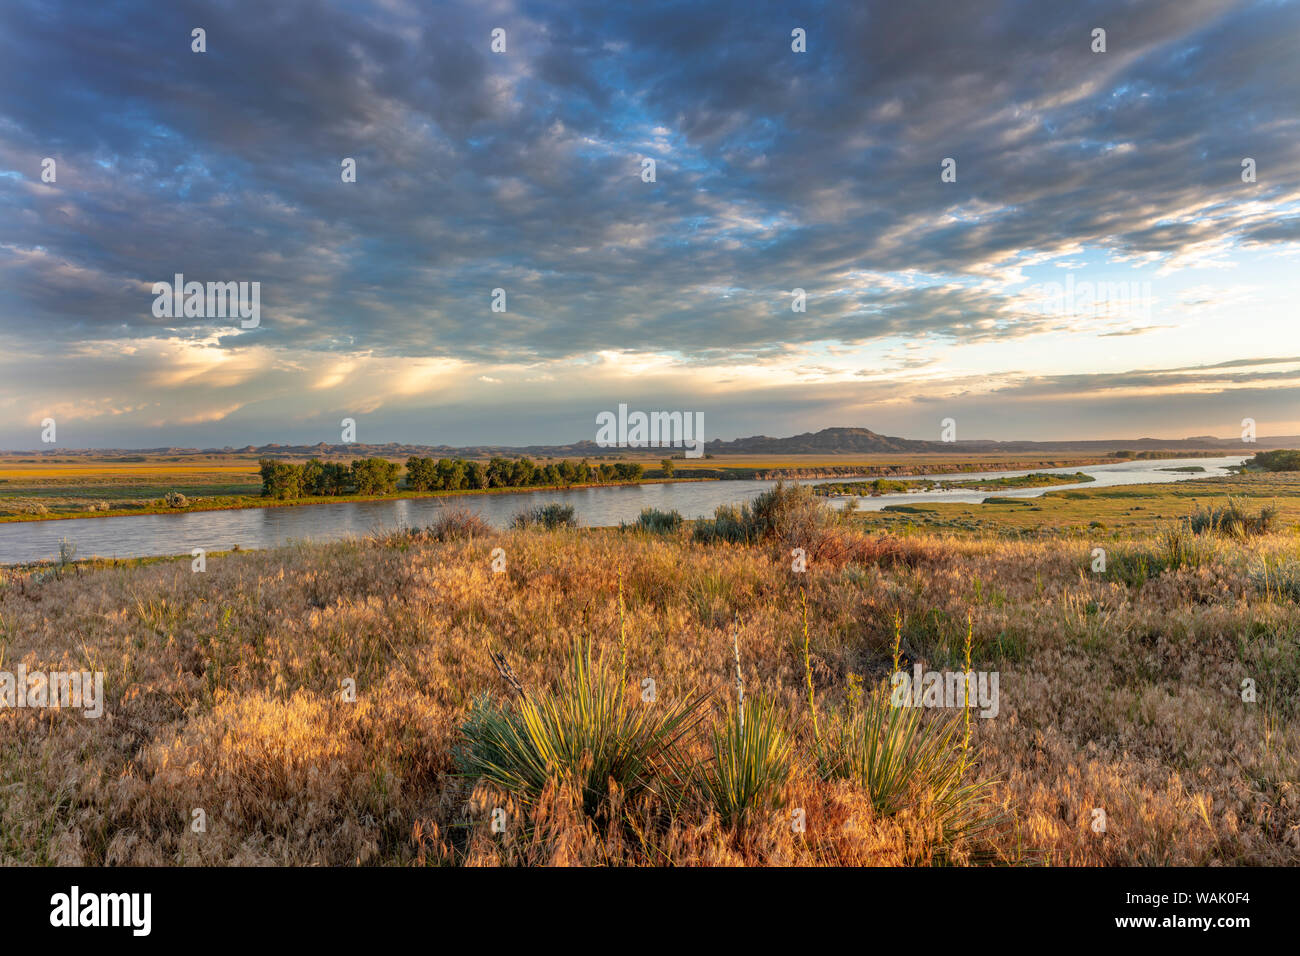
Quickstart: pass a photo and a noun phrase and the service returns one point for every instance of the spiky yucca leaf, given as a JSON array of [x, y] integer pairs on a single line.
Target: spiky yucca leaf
[[587, 732], [902, 760], [751, 761]]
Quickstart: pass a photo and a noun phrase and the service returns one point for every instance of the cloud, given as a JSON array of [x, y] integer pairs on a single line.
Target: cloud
[[521, 171]]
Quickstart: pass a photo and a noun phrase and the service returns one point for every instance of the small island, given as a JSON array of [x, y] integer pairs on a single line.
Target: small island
[[894, 486]]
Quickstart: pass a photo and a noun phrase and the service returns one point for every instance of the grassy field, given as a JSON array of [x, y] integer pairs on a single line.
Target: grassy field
[[1093, 512], [1121, 735], [78, 487]]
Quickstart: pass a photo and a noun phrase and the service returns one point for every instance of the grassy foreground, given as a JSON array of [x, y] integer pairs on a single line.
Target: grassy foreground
[[226, 694]]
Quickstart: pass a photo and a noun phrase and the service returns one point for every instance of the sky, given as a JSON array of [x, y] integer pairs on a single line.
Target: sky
[[991, 220]]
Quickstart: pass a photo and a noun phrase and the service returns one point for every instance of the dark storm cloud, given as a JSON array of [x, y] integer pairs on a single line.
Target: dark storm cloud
[[477, 171]]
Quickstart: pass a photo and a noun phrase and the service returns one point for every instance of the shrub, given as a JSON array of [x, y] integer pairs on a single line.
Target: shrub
[[655, 521], [586, 733], [1232, 519], [454, 524], [789, 512], [729, 523], [751, 762], [793, 516], [175, 499], [549, 516]]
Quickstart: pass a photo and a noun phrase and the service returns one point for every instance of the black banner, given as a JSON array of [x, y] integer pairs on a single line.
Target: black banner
[[932, 906]]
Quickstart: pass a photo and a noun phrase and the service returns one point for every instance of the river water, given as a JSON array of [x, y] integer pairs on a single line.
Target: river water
[[148, 535]]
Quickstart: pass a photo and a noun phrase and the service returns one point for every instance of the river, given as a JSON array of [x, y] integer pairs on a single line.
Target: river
[[148, 535]]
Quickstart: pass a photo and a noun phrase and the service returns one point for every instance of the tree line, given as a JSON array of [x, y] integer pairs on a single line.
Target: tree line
[[378, 476], [456, 474], [365, 476]]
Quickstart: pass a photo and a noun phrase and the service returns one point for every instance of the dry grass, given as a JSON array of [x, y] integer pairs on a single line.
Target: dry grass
[[224, 694]]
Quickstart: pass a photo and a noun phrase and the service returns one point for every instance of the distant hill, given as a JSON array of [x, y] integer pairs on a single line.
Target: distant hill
[[828, 441], [859, 441]]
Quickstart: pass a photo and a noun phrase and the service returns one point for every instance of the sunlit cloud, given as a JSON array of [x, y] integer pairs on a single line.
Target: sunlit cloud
[[476, 172]]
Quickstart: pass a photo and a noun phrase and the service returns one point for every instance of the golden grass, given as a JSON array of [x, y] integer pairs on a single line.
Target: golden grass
[[224, 695], [117, 470]]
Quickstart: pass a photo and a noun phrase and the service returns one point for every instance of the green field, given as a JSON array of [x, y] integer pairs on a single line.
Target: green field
[[1118, 510]]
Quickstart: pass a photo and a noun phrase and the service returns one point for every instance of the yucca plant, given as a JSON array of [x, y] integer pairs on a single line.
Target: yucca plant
[[585, 733], [901, 761], [751, 761]]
